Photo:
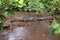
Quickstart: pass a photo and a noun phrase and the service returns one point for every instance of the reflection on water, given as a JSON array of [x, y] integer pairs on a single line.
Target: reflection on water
[[18, 33]]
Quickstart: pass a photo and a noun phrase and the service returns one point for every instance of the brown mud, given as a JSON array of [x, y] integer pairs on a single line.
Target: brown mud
[[28, 26]]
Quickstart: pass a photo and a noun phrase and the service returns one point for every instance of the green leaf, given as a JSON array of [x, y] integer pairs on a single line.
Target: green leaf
[[55, 25], [57, 31], [6, 13]]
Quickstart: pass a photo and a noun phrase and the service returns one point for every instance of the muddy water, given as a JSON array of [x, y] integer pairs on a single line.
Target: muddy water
[[31, 30], [18, 33]]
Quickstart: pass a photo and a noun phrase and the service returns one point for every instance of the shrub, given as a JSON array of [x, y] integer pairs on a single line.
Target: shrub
[[55, 27], [9, 6], [43, 6]]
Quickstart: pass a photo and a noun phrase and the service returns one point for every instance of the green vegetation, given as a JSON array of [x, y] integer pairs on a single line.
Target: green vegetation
[[42, 6], [49, 7], [55, 27]]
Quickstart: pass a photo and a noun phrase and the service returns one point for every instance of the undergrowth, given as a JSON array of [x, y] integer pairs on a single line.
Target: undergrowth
[[49, 7]]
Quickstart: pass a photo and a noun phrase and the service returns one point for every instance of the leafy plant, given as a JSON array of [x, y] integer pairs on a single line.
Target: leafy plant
[[9, 6], [43, 6], [18, 4], [34, 5], [2, 18], [55, 28]]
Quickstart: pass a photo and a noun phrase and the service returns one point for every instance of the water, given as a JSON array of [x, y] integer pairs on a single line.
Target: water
[[17, 34], [35, 30]]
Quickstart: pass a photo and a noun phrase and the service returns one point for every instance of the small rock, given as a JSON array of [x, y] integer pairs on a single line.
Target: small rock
[[43, 34]]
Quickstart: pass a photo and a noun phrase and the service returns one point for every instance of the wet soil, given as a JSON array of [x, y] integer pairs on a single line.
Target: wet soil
[[28, 26]]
